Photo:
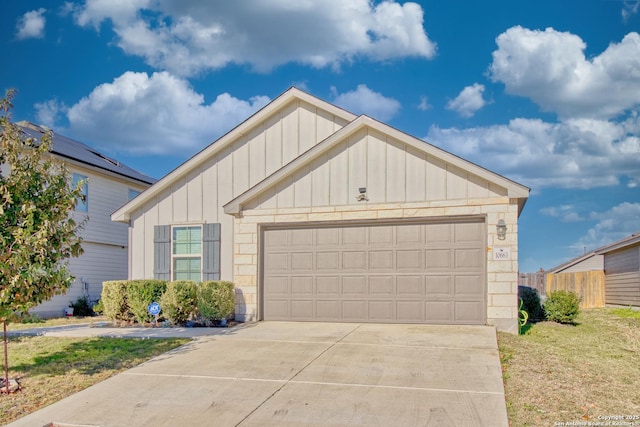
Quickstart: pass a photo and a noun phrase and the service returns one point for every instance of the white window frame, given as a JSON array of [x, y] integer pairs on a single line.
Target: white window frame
[[175, 256]]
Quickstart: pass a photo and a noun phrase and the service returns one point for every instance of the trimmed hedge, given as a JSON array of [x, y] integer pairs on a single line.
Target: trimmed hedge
[[141, 293], [216, 300], [179, 302], [114, 300]]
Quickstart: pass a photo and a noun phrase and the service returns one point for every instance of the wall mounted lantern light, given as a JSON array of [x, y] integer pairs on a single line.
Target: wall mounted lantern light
[[501, 229], [363, 194]]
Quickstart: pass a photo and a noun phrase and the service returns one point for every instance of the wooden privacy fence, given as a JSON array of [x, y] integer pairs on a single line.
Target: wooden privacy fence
[[588, 285]]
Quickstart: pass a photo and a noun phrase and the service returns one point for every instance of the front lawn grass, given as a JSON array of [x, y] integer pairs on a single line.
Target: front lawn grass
[[563, 373], [52, 368]]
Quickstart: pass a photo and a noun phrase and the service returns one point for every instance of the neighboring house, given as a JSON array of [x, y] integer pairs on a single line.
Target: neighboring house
[[109, 184], [620, 262], [317, 214]]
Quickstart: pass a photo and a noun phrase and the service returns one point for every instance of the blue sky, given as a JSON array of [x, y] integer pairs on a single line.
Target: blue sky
[[544, 92]]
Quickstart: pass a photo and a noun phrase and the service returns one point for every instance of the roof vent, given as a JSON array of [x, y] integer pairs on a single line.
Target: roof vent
[[106, 159]]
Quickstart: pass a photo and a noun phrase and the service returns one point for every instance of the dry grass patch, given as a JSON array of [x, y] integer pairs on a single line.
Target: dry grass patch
[[562, 373], [51, 368], [34, 323]]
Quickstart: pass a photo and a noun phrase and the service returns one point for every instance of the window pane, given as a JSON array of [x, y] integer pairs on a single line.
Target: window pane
[[186, 269], [187, 240], [82, 203]]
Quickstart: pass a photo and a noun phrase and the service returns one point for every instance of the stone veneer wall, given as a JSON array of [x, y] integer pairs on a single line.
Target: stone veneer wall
[[502, 276]]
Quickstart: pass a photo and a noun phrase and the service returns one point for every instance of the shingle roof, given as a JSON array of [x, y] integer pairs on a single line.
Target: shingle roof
[[75, 150]]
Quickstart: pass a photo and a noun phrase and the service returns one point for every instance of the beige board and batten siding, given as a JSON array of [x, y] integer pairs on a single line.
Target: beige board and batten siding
[[404, 178], [223, 171], [622, 275]]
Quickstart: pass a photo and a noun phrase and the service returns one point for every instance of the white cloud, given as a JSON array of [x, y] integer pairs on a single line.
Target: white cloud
[[629, 8], [157, 114], [566, 213], [617, 223], [48, 112], [365, 101], [578, 153], [468, 101], [31, 25], [192, 36], [550, 67], [424, 104]]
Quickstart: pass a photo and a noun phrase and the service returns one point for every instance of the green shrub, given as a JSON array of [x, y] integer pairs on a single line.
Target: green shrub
[[98, 308], [531, 303], [216, 300], [562, 307], [141, 293], [114, 300], [179, 301], [82, 307]]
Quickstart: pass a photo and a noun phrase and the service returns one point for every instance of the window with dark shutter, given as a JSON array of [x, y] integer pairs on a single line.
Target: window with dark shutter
[[162, 252], [211, 252]]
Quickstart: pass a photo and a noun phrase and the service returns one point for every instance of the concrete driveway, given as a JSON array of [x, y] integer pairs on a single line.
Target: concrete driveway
[[304, 374]]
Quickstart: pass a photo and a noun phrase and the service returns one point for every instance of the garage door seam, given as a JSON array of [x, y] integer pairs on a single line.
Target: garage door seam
[[297, 373]]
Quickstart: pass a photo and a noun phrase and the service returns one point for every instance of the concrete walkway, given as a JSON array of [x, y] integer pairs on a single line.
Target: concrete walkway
[[301, 374]]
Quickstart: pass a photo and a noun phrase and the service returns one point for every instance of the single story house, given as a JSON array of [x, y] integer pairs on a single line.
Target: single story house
[[108, 185], [620, 262], [317, 214]]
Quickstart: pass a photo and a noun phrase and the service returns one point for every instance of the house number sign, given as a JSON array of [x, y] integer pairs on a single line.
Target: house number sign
[[501, 254]]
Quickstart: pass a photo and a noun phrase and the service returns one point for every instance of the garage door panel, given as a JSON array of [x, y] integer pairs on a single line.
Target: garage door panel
[[327, 237], [439, 286], [354, 260], [409, 259], [467, 311], [381, 311], [468, 259], [301, 309], [354, 310], [329, 261], [410, 311], [381, 235], [354, 236], [277, 262], [438, 259], [468, 233], [302, 261], [438, 311], [328, 310], [301, 286], [409, 273], [410, 286], [469, 287], [278, 286], [380, 260], [328, 286], [354, 286], [277, 239], [409, 235], [381, 286], [301, 238], [278, 309]]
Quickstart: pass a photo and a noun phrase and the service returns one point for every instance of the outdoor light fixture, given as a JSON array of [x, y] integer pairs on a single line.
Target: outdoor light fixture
[[363, 194], [501, 229]]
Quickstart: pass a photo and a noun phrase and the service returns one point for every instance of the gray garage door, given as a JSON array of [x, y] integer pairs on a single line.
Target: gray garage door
[[391, 273]]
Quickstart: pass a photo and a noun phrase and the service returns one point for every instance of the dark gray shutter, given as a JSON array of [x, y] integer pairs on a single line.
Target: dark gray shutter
[[162, 252], [211, 252]]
